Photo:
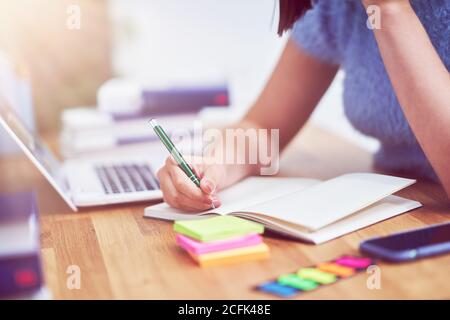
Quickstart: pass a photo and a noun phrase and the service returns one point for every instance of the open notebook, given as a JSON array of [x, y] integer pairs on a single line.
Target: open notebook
[[307, 209]]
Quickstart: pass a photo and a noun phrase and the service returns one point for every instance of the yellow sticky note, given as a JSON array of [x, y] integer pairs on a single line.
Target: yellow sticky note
[[316, 275], [260, 251], [217, 228]]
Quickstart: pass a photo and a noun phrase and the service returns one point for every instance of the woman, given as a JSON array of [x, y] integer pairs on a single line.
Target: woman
[[397, 88]]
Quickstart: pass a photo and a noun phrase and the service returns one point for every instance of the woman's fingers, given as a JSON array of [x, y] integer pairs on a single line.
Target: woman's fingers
[[168, 190], [177, 199], [185, 186], [207, 185], [211, 179], [180, 192]]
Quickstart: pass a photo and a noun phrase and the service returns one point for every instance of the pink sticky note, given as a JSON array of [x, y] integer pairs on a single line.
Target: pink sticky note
[[354, 262], [197, 247]]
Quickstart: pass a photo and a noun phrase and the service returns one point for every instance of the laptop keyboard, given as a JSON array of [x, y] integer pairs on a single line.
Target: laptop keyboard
[[126, 178]]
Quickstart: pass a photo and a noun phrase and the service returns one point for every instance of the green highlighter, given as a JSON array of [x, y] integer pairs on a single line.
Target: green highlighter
[[295, 281], [217, 228], [174, 152], [316, 275]]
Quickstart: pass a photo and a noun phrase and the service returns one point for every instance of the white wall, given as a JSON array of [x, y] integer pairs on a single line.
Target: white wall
[[167, 40]]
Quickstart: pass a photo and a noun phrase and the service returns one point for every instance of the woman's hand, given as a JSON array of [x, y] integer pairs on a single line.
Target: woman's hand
[[420, 79], [180, 192]]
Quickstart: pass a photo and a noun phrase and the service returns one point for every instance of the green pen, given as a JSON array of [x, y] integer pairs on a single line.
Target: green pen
[[174, 152]]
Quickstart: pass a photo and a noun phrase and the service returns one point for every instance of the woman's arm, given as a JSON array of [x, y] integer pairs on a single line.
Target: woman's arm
[[291, 94], [420, 80], [294, 89]]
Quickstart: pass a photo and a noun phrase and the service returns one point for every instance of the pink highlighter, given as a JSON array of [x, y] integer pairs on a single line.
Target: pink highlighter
[[196, 247]]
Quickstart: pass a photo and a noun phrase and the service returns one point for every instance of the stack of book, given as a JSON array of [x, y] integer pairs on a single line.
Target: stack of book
[[86, 131], [221, 240], [21, 274], [113, 126]]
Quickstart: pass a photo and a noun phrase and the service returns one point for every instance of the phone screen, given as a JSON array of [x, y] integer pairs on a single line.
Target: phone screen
[[416, 238]]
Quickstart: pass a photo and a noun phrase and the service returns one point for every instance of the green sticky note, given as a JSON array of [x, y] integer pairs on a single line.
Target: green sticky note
[[316, 275], [217, 228], [294, 281]]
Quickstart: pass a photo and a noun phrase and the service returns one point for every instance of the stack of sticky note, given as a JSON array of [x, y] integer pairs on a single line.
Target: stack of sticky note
[[221, 240]]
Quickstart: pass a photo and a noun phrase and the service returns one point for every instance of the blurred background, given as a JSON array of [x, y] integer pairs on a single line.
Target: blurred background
[[154, 42], [87, 74]]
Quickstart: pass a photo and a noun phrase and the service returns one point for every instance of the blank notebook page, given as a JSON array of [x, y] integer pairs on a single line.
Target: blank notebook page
[[244, 194], [332, 200]]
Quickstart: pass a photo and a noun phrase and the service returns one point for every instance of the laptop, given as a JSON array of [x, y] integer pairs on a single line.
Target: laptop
[[85, 182]]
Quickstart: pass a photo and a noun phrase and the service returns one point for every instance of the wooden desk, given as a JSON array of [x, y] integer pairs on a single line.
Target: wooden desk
[[121, 255]]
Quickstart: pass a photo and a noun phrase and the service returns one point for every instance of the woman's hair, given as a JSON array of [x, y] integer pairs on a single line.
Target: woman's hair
[[290, 11]]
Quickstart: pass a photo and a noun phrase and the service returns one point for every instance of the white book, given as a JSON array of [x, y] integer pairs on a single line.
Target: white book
[[307, 209]]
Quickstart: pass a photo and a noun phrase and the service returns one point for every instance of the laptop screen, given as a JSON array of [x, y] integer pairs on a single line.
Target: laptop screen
[[37, 152]]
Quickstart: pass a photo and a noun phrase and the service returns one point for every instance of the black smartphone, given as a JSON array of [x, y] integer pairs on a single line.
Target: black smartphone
[[409, 245]]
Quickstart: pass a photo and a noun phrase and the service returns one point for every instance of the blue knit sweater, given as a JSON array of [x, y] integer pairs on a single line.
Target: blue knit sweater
[[335, 31]]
